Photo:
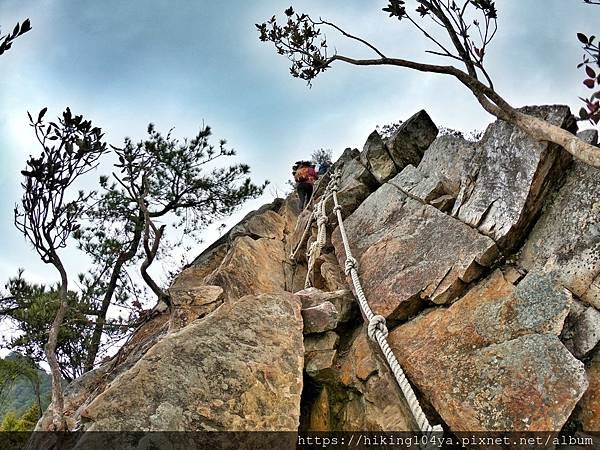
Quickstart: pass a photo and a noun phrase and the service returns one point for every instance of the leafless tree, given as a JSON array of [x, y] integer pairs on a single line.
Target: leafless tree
[[469, 26], [46, 215]]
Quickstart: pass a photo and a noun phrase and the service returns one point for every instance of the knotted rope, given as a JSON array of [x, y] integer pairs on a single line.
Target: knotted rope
[[376, 329]]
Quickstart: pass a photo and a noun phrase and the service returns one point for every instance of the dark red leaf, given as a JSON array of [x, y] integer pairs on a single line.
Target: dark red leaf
[[590, 72], [590, 83]]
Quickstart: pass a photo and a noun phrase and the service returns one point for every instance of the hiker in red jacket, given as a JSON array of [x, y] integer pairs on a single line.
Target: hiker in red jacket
[[305, 176]]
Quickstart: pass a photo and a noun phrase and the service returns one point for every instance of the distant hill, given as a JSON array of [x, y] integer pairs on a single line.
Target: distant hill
[[21, 395]]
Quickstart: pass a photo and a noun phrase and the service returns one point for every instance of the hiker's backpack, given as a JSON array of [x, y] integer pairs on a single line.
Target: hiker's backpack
[[302, 174]]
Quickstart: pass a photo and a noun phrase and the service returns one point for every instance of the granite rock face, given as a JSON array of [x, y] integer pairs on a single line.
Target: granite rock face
[[448, 159], [408, 143], [355, 185], [342, 299], [566, 239], [582, 330], [268, 224], [332, 274], [509, 177], [192, 302], [418, 186], [229, 371], [376, 159], [320, 318], [493, 361], [405, 256], [490, 335], [251, 267]]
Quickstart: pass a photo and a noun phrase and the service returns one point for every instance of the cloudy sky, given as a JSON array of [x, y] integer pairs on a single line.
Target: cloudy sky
[[180, 63]]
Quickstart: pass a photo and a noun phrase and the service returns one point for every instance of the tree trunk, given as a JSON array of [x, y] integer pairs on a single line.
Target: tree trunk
[[101, 318], [57, 405], [150, 255], [493, 103], [38, 396], [544, 131]]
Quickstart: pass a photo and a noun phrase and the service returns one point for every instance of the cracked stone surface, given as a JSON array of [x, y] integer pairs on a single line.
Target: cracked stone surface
[[239, 368], [566, 239], [342, 299], [192, 302], [509, 177], [251, 267], [376, 159], [405, 255], [361, 394], [589, 407], [411, 139], [493, 361]]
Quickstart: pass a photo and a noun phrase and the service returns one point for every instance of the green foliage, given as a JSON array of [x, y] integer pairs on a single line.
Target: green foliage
[[321, 156], [10, 422], [470, 26], [164, 179], [32, 308], [47, 217], [26, 422], [159, 179]]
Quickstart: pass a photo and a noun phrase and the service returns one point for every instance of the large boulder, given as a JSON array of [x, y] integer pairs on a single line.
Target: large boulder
[[493, 361], [447, 159], [332, 273], [356, 183], [417, 185], [566, 239], [582, 329], [342, 299], [320, 318], [251, 267], [408, 143], [509, 177], [240, 368], [409, 252], [268, 224], [376, 158], [204, 264]]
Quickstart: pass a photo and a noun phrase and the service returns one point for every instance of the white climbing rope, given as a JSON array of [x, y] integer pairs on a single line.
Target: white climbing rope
[[303, 237], [376, 329], [314, 251]]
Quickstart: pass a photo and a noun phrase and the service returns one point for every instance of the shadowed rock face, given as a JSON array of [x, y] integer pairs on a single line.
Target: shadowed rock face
[[589, 409], [360, 394], [566, 240], [230, 371], [407, 145], [405, 253], [492, 361], [376, 158]]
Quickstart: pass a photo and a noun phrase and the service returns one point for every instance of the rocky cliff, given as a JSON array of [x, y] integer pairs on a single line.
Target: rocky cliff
[[484, 257]]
